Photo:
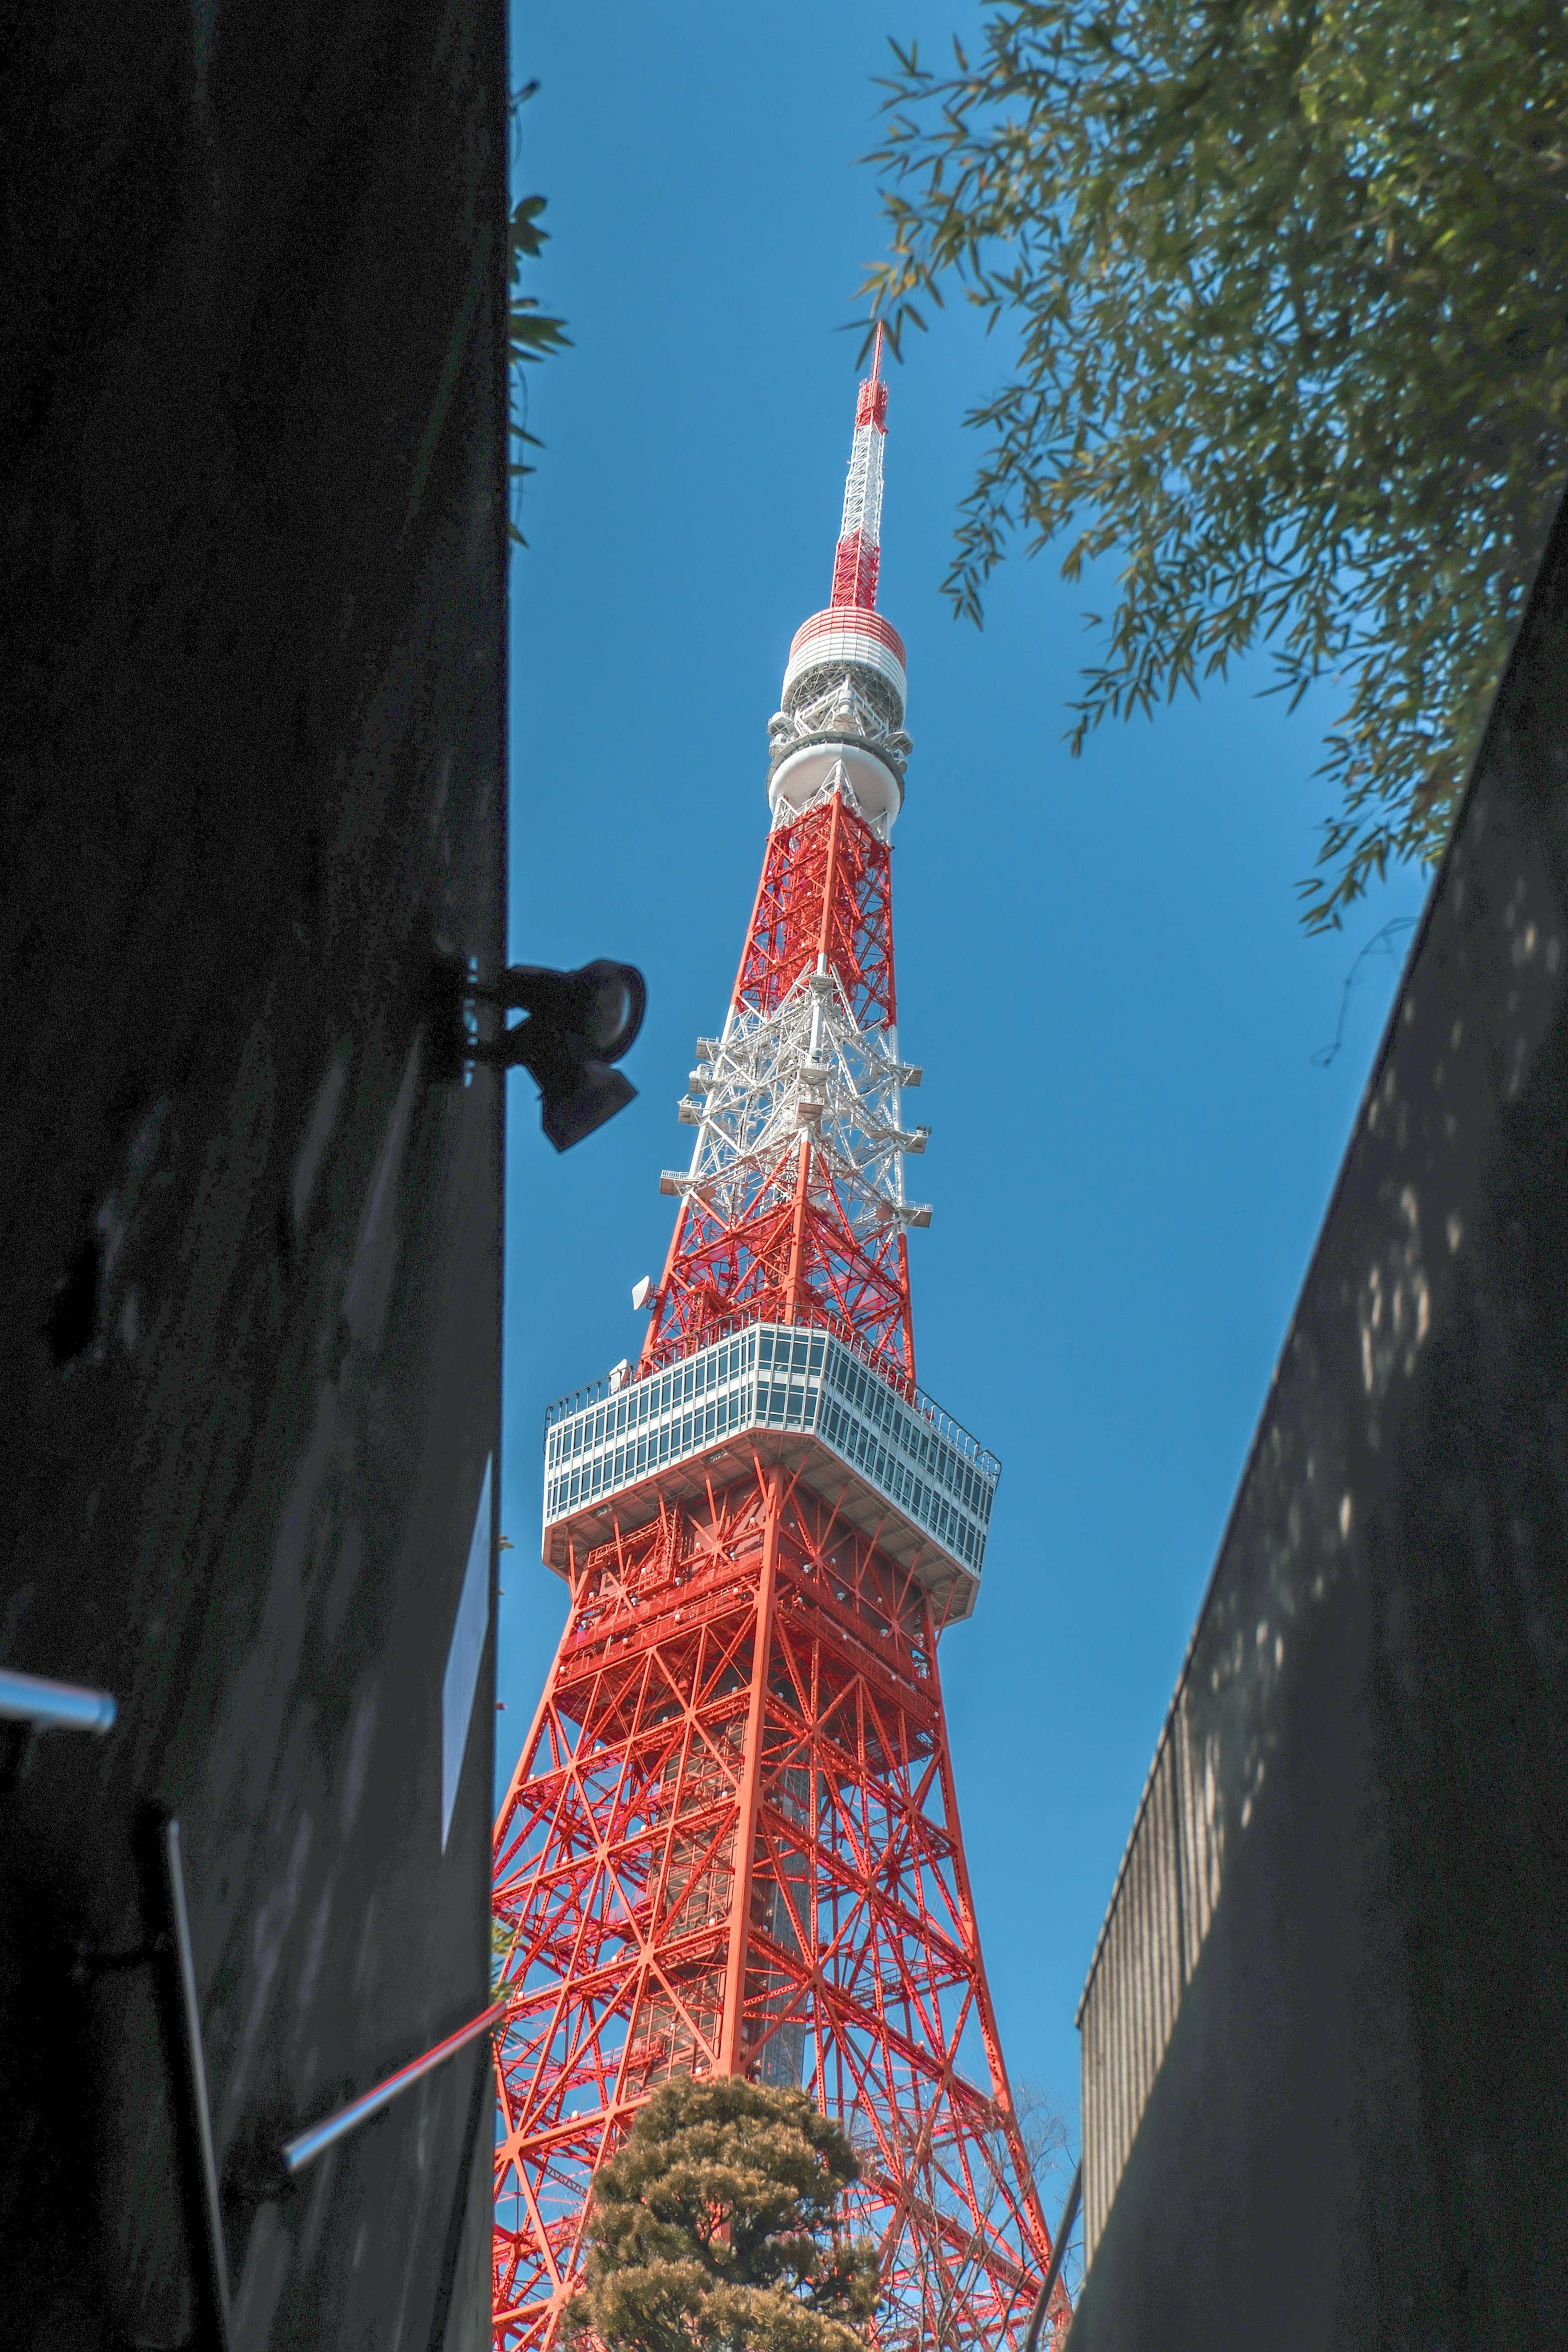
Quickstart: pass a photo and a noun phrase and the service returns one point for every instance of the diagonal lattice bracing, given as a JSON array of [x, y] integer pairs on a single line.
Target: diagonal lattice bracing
[[755, 1626], [732, 1842], [794, 1203]]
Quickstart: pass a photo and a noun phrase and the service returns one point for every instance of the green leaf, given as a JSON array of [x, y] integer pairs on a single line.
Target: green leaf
[[532, 334], [1285, 283]]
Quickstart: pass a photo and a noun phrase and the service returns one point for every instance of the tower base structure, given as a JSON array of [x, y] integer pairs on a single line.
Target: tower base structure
[[732, 1846]]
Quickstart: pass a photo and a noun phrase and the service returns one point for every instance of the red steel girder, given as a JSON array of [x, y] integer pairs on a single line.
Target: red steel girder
[[732, 1844], [782, 1244]]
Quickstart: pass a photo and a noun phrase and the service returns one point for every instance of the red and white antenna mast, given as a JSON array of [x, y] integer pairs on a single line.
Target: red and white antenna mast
[[858, 556], [794, 1201], [731, 1844]]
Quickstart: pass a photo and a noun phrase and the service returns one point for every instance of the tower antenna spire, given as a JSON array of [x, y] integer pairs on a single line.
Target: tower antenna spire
[[858, 556]]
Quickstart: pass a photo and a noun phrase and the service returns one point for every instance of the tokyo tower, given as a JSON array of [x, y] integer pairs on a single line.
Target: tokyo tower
[[731, 1844]]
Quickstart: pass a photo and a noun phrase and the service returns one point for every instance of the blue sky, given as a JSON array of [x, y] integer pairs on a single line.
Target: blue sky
[[1099, 961]]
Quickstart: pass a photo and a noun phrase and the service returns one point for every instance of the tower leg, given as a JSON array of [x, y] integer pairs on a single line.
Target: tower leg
[[733, 1844]]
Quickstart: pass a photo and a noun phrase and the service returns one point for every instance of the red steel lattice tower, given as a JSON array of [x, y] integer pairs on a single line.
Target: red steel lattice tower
[[732, 1842]]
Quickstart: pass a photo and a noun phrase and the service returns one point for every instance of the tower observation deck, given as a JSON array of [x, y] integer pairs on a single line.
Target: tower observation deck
[[731, 1844]]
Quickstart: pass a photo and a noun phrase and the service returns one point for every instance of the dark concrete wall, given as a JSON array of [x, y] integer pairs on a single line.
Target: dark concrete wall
[[252, 727], [1359, 2134]]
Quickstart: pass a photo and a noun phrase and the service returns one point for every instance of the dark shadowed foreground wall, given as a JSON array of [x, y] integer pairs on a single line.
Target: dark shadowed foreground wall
[[1325, 2037], [252, 508]]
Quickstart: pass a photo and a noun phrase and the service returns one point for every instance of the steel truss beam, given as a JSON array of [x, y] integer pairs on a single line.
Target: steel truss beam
[[793, 1208], [738, 1773], [731, 1844]]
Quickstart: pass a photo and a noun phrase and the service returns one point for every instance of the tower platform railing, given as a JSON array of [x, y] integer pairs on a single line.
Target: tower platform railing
[[763, 1376], [748, 1319]]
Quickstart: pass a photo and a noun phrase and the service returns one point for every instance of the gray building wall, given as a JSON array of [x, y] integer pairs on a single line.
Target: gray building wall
[[252, 728], [1325, 2037]]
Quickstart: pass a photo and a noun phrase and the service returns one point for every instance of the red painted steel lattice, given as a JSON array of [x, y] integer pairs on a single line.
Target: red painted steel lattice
[[731, 1844], [781, 1244]]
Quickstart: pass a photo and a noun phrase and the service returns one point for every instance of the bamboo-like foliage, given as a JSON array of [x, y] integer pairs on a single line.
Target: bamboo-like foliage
[[1289, 280], [531, 334]]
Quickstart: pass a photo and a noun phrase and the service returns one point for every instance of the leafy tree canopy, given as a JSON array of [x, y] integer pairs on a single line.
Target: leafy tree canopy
[[1289, 282], [713, 2229]]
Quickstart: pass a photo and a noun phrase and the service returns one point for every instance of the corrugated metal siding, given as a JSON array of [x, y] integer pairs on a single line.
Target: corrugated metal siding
[[1159, 1915]]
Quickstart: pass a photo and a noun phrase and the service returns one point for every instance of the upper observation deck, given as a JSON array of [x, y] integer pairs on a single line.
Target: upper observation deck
[[893, 1463]]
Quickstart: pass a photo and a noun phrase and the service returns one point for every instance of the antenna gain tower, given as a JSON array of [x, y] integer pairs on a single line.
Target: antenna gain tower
[[731, 1844]]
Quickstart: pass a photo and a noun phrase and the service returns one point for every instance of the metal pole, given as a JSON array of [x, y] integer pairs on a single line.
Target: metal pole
[[53, 1706], [307, 2145], [1058, 2250], [175, 1976]]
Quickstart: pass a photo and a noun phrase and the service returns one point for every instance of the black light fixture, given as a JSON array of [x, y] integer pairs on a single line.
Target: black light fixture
[[576, 1025]]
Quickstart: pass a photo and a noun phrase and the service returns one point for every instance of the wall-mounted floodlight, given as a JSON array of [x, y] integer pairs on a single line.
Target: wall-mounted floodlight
[[578, 1023], [641, 1293]]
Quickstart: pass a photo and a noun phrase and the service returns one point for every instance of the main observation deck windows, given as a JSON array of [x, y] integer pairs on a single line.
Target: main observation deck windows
[[776, 1377]]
